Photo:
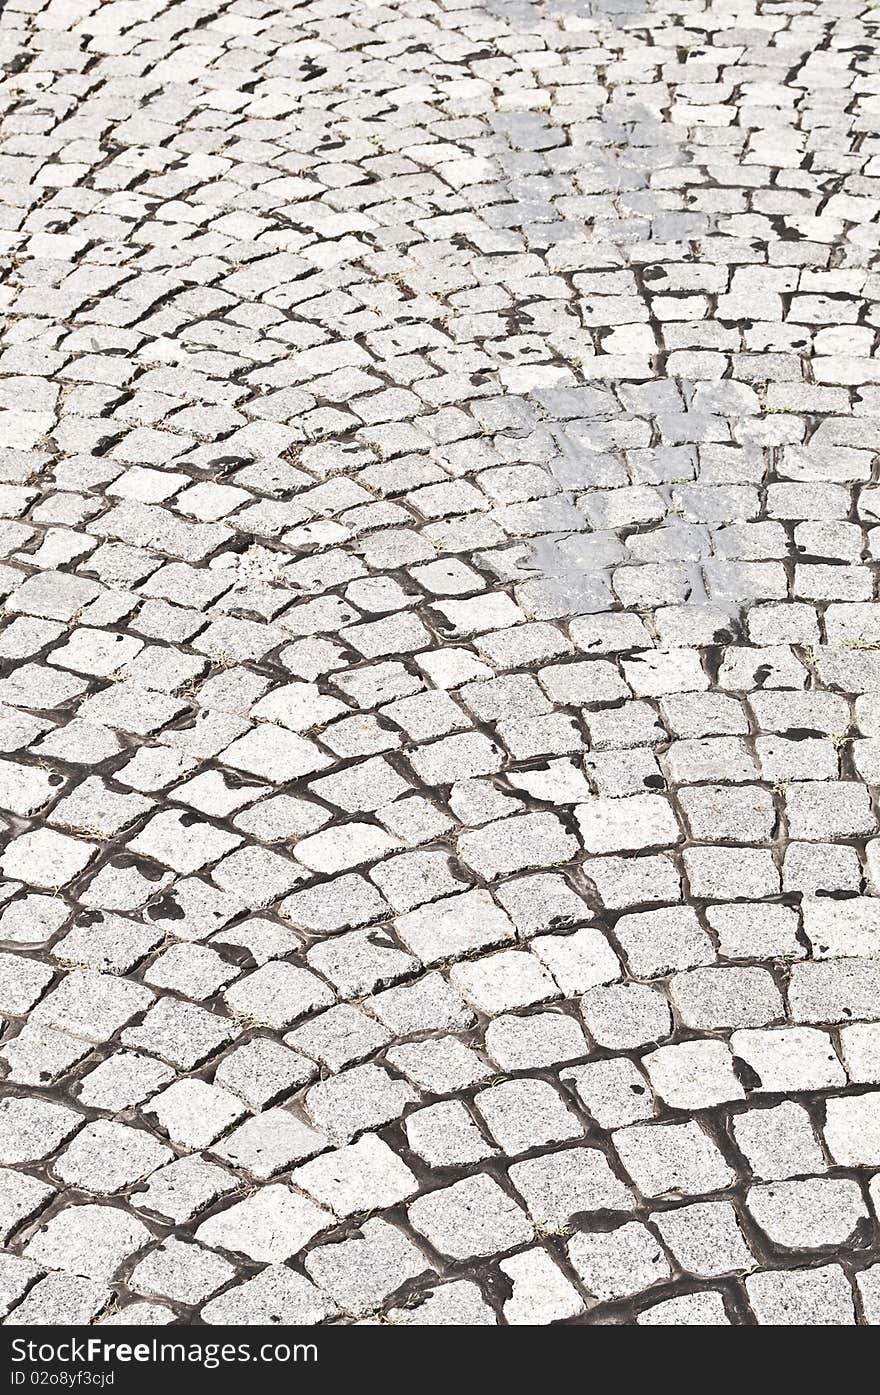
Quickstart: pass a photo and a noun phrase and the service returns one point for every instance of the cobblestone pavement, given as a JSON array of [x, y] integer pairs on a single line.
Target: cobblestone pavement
[[440, 664]]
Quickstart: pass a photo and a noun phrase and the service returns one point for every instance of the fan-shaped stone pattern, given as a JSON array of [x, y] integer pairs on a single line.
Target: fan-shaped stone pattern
[[439, 692]]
